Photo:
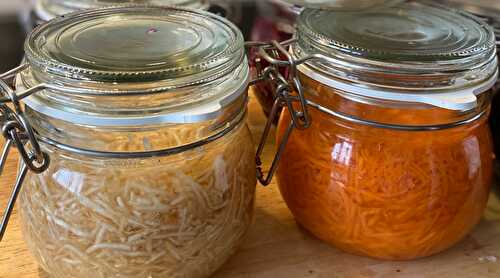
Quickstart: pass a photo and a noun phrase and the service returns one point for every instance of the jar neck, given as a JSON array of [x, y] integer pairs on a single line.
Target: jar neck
[[143, 141], [385, 113]]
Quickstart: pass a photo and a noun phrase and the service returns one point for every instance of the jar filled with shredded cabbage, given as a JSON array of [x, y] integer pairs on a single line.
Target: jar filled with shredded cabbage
[[394, 156], [151, 170], [180, 215]]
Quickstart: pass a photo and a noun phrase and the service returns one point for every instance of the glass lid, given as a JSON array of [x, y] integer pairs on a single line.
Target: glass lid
[[135, 44], [169, 57], [410, 52]]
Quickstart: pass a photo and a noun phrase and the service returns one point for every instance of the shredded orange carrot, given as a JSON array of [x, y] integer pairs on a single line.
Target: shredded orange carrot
[[385, 193]]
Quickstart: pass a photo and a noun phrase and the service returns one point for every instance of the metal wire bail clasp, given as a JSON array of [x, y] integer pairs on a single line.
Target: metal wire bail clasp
[[18, 133], [288, 93]]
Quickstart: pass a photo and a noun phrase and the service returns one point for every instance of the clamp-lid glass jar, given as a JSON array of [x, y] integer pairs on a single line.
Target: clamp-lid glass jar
[[342, 5], [142, 113], [384, 144], [46, 10]]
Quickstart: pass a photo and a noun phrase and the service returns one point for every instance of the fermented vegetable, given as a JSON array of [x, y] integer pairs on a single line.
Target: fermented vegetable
[[174, 216], [385, 193]]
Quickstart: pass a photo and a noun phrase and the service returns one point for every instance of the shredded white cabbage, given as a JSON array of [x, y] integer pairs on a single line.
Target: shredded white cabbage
[[175, 216]]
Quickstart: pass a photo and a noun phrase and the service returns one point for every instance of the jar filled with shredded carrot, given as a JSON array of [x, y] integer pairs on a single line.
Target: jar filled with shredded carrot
[[139, 160], [390, 156]]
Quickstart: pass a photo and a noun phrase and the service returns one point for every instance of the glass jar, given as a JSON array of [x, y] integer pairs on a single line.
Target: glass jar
[[384, 142], [146, 165], [343, 5], [45, 10]]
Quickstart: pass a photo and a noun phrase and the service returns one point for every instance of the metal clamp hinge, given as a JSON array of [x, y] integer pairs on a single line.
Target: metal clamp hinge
[[289, 93], [18, 133]]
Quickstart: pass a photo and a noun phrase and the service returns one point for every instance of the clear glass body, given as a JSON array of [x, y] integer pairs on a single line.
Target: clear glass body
[[385, 193], [181, 215]]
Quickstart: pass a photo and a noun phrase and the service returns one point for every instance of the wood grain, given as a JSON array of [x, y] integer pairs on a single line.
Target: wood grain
[[276, 247]]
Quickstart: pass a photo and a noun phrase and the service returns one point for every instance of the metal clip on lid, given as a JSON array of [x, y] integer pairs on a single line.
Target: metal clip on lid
[[289, 93], [18, 133]]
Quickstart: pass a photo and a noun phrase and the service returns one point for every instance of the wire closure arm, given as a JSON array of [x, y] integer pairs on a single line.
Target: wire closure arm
[[289, 93], [18, 133]]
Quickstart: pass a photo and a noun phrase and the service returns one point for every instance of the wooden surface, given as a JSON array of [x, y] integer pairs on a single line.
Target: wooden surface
[[275, 247]]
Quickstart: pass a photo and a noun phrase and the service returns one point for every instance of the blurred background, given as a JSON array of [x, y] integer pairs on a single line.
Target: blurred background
[[11, 32], [16, 17]]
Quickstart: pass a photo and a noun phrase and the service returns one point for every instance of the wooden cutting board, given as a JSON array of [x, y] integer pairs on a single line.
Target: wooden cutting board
[[275, 247]]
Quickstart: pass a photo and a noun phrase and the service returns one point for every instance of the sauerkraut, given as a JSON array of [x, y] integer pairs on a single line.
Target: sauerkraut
[[385, 193], [175, 216]]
